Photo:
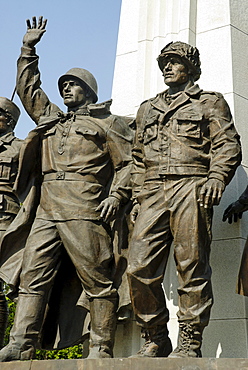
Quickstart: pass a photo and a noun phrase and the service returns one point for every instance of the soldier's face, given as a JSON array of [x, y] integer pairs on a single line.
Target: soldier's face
[[73, 93], [175, 72], [3, 121]]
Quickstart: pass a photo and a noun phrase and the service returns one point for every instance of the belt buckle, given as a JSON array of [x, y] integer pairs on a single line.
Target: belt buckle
[[163, 177], [60, 175]]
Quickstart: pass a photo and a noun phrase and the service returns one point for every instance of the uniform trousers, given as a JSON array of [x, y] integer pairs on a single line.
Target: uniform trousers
[[170, 212], [88, 245]]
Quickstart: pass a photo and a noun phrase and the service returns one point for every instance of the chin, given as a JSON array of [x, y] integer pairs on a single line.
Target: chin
[[168, 81], [69, 104]]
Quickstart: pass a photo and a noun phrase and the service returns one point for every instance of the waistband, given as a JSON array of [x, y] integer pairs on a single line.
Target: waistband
[[175, 172], [70, 176]]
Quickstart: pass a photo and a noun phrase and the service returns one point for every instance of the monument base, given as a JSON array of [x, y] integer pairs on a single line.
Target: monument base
[[132, 364]]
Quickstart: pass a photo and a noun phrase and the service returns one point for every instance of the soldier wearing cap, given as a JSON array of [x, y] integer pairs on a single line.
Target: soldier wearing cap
[[9, 203], [186, 151], [82, 160]]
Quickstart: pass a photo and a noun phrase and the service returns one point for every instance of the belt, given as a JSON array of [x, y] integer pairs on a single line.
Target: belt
[[71, 176]]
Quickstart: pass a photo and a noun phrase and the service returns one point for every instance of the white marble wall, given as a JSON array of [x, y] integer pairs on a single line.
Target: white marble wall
[[220, 30]]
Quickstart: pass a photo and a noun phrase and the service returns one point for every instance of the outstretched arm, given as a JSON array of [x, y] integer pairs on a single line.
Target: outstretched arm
[[28, 82]]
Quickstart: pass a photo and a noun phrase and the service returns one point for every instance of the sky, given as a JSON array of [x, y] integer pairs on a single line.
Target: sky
[[80, 33]]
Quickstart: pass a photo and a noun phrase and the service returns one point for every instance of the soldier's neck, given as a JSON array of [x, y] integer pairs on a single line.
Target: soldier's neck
[[81, 107], [175, 89]]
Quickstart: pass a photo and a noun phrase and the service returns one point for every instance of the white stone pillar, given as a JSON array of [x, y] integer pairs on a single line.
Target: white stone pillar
[[220, 30]]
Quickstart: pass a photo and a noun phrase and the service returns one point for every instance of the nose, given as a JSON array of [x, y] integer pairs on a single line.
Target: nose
[[168, 66], [66, 87]]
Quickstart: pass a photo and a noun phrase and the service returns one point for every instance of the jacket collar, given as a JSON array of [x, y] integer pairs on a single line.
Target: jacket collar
[[159, 101], [7, 138]]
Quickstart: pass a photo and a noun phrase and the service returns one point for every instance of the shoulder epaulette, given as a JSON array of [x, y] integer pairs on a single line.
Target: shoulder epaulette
[[218, 94], [145, 101], [100, 109]]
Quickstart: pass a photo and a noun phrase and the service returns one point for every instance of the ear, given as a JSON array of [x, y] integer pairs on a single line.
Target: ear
[[191, 76]]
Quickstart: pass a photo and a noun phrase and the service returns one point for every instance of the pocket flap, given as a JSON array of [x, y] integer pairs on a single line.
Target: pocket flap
[[151, 120], [6, 159], [189, 116], [86, 131]]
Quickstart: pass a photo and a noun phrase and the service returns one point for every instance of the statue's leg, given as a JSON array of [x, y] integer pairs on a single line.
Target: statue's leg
[[103, 325], [5, 221], [191, 227], [148, 254], [40, 264], [89, 245], [3, 314], [25, 331]]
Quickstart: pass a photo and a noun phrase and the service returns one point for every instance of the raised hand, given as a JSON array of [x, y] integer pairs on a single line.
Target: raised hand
[[34, 32]]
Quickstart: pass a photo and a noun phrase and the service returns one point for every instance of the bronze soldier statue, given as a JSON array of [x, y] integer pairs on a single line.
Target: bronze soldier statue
[[232, 213], [9, 203], [186, 151], [81, 160]]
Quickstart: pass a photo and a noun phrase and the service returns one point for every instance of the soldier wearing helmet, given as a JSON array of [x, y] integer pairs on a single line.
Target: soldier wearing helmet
[[9, 203], [186, 151], [80, 161]]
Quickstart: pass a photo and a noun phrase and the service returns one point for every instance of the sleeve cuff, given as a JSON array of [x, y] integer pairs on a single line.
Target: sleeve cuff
[[217, 176], [116, 195], [26, 50]]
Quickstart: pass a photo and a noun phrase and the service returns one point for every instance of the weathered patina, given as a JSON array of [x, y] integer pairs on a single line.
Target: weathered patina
[[75, 168], [186, 151]]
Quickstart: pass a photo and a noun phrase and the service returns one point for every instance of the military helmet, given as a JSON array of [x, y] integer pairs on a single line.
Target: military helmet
[[84, 76], [189, 54], [11, 108]]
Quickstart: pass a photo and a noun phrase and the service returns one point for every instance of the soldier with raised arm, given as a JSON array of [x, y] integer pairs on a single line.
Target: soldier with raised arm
[[186, 152], [81, 162]]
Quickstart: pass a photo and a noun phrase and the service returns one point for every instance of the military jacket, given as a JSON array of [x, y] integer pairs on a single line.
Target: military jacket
[[84, 156], [9, 158], [191, 134]]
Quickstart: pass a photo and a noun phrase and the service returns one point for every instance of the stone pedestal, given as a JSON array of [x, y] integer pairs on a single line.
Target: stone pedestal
[[130, 364], [220, 30]]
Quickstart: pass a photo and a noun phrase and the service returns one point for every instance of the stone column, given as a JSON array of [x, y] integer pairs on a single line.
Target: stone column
[[220, 30]]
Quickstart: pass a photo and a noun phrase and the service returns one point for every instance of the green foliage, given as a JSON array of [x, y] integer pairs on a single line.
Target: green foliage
[[12, 307], [67, 353]]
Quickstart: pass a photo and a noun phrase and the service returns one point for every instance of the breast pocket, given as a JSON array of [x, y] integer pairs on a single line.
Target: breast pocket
[[189, 125], [91, 139], [150, 129], [151, 133], [5, 168], [87, 132]]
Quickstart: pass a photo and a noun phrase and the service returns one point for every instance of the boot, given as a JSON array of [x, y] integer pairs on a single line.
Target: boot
[[103, 325], [3, 317], [189, 341], [157, 342], [25, 332]]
